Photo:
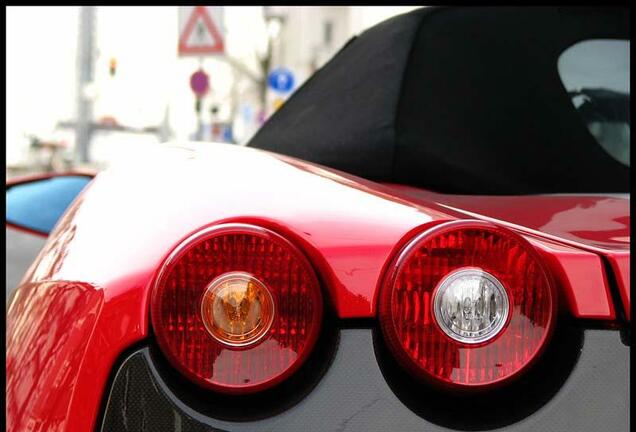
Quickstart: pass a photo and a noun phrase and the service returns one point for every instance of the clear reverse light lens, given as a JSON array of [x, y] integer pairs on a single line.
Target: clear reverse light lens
[[470, 305]]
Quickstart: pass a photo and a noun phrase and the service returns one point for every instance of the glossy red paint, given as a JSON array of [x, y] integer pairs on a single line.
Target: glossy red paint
[[599, 224], [620, 265], [45, 352], [115, 235], [63, 336], [580, 277], [117, 232]]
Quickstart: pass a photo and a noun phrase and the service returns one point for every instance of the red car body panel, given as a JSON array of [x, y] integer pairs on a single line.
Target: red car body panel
[[596, 223], [91, 282], [620, 267]]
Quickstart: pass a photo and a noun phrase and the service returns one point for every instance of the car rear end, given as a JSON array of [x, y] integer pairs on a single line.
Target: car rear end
[[108, 329]]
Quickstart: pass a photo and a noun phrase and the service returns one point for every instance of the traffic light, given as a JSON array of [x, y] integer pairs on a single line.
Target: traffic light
[[112, 66]]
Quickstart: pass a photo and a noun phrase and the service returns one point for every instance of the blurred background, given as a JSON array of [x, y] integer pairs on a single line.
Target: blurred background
[[90, 86], [87, 86]]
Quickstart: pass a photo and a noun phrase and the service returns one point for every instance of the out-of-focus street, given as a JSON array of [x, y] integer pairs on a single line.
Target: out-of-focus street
[[108, 84], [21, 248]]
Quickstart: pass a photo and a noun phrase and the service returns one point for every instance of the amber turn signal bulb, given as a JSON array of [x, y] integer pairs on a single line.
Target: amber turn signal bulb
[[237, 309]]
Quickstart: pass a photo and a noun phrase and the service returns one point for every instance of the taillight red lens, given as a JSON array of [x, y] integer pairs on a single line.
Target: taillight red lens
[[467, 304], [236, 308]]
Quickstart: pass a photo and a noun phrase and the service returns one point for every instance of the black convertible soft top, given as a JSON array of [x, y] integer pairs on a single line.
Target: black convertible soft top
[[458, 100]]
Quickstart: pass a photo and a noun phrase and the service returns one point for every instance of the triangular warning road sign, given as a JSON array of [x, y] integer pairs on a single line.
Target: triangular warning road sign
[[200, 35]]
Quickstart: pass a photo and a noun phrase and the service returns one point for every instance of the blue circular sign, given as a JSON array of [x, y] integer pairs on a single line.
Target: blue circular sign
[[281, 80]]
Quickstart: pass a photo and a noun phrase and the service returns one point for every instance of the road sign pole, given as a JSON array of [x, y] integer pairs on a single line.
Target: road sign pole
[[200, 85], [198, 136], [201, 33], [199, 133]]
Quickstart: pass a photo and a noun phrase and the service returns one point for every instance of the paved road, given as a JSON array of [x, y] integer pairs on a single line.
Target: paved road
[[21, 251]]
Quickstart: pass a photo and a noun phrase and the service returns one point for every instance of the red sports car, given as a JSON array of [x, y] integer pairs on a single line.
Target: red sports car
[[431, 234]]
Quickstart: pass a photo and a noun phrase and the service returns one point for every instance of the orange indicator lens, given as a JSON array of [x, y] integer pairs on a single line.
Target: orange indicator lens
[[237, 309]]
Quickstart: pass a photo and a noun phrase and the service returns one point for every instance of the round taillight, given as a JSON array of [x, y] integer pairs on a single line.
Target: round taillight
[[467, 304], [236, 308]]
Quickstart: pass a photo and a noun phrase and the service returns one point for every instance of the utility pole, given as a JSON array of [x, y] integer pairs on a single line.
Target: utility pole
[[274, 21], [85, 75], [265, 64]]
